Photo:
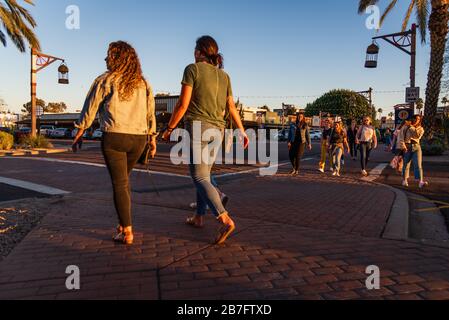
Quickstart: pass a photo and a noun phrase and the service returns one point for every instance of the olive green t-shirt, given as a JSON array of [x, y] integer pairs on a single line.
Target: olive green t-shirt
[[211, 89]]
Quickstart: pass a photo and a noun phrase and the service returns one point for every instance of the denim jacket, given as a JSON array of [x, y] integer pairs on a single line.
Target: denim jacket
[[305, 134], [134, 117]]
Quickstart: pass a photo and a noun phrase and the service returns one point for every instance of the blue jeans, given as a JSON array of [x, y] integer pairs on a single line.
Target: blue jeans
[[336, 155], [365, 152], [414, 154], [200, 169]]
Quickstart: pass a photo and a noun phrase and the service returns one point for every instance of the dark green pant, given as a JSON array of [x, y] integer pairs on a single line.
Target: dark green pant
[[296, 153], [121, 153]]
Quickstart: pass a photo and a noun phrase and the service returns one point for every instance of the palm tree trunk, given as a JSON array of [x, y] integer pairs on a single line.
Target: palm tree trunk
[[438, 26]]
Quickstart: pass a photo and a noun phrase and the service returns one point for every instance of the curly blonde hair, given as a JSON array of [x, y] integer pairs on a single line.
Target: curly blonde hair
[[125, 68]]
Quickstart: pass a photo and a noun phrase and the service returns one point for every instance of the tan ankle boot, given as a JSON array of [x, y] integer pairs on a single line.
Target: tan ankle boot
[[128, 236], [227, 229]]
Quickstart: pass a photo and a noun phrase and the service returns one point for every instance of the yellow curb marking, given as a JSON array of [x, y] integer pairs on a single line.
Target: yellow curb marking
[[443, 205]]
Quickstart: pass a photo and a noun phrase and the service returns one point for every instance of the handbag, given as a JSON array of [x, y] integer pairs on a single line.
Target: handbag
[[397, 163]]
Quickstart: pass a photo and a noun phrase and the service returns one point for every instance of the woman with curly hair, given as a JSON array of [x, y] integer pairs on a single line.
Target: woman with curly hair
[[126, 107]]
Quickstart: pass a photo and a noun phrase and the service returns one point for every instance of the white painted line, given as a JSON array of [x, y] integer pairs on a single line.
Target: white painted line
[[32, 186], [283, 164], [97, 165], [376, 172]]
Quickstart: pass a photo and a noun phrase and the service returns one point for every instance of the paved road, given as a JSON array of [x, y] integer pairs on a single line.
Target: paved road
[[305, 237], [309, 237]]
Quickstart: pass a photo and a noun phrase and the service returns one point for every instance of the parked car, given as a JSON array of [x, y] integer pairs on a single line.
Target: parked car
[[282, 135], [7, 130], [60, 133], [22, 133], [97, 135], [46, 130], [75, 132], [316, 135]]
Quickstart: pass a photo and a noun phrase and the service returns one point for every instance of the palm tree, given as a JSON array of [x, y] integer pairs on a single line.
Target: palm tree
[[438, 27], [420, 105], [445, 101], [380, 111], [18, 24]]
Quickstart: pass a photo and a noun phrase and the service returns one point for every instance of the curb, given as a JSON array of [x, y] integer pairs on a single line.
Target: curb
[[33, 152], [399, 222]]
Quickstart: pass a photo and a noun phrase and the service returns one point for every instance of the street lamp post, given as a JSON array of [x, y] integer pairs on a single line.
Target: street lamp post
[[40, 61], [406, 42]]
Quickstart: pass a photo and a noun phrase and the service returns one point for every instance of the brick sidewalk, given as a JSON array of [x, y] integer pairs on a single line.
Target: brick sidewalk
[[297, 238]]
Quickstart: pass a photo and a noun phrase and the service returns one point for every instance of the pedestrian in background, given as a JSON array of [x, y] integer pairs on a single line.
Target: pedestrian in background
[[367, 140], [352, 139], [125, 102], [337, 142], [411, 145], [298, 140], [325, 146]]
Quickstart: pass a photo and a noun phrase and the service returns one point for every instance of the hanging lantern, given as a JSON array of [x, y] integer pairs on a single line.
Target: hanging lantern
[[372, 53], [63, 71]]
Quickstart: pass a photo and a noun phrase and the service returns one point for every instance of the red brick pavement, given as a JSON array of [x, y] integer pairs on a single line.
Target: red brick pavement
[[295, 240]]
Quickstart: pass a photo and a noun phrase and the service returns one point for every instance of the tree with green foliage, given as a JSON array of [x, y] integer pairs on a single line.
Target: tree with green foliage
[[344, 103], [52, 107]]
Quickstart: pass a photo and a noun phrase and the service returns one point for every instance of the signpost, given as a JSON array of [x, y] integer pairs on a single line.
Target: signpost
[[412, 95]]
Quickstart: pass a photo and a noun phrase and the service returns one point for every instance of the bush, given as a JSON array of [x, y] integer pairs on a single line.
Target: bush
[[37, 142], [434, 147], [6, 141]]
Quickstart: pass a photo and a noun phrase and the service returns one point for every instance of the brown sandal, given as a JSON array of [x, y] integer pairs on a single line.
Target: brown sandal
[[192, 222]]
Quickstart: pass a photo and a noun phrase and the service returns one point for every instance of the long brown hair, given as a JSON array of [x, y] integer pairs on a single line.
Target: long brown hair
[[124, 66], [208, 47]]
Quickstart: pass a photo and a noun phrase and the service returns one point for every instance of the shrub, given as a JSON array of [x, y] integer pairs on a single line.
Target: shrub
[[434, 147], [6, 141], [36, 142]]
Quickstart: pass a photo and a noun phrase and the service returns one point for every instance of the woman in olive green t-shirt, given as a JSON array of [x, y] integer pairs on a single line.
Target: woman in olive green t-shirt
[[205, 96]]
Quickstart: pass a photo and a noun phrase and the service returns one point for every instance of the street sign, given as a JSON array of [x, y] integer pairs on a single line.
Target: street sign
[[412, 95]]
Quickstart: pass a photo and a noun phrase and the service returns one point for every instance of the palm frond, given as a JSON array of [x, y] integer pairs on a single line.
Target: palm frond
[[18, 24], [388, 10], [363, 4], [422, 17], [408, 15]]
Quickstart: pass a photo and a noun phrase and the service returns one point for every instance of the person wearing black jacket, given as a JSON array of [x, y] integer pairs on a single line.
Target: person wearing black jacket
[[298, 139], [352, 139]]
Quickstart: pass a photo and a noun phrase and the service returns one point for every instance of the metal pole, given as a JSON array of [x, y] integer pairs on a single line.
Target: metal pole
[[413, 63], [33, 92]]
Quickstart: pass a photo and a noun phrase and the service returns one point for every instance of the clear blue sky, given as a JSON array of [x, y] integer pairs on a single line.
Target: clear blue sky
[[271, 48]]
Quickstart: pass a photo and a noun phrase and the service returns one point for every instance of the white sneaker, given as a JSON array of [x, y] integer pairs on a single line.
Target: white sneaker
[[335, 173], [364, 173], [423, 184], [405, 183], [321, 170]]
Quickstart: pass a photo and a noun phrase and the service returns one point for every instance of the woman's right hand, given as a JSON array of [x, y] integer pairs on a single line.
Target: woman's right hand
[[289, 146], [244, 139], [166, 135]]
